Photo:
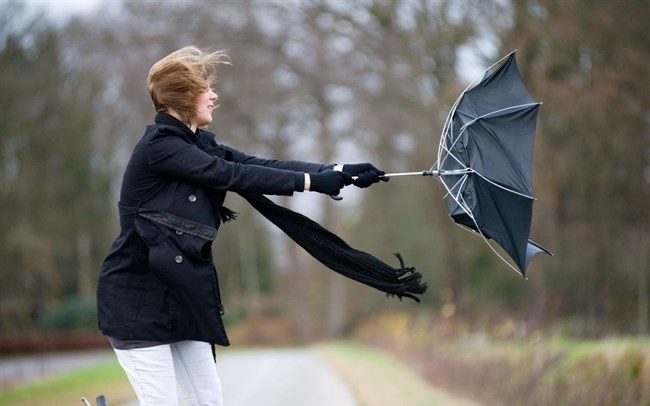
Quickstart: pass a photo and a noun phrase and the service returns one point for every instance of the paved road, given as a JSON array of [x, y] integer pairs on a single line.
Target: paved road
[[270, 377], [279, 377]]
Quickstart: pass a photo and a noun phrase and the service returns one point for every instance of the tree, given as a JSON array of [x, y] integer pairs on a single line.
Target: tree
[[54, 187], [588, 63]]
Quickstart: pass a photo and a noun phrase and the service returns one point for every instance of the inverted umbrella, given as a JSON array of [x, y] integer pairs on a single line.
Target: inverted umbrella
[[485, 161]]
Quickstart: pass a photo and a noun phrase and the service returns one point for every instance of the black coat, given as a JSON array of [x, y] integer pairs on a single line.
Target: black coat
[[158, 281]]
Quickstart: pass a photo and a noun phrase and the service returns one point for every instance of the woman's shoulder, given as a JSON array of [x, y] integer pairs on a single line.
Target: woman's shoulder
[[156, 132], [163, 129]]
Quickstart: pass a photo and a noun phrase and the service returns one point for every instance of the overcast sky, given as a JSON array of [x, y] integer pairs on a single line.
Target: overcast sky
[[60, 9]]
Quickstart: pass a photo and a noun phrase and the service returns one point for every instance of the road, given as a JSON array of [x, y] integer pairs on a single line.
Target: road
[[251, 377], [280, 377], [270, 377]]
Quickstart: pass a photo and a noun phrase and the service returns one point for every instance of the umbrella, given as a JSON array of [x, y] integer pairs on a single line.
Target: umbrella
[[485, 161]]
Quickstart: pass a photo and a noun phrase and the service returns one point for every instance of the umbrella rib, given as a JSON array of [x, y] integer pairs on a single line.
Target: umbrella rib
[[463, 205], [505, 261], [464, 128], [447, 127], [480, 77], [509, 156], [450, 154], [457, 186], [447, 149], [456, 195], [496, 112], [504, 188], [487, 242]]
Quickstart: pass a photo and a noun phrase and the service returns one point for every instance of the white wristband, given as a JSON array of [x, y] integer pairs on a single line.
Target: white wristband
[[338, 168], [307, 182]]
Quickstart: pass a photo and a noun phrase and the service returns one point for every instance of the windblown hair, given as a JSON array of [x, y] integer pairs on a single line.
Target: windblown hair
[[176, 81]]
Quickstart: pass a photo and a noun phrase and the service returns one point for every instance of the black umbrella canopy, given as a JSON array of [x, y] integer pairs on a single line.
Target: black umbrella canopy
[[488, 138]]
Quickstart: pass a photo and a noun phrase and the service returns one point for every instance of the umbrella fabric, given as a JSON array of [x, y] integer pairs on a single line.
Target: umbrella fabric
[[491, 131]]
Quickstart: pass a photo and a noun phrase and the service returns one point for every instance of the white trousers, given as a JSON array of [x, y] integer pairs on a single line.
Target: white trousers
[[179, 374]]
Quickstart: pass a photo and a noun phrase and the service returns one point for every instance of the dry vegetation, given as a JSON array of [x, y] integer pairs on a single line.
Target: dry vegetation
[[501, 366]]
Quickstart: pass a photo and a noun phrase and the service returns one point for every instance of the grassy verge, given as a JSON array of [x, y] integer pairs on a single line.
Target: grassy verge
[[535, 370], [378, 379], [67, 389]]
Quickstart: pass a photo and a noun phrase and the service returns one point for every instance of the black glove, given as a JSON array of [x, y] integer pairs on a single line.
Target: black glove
[[366, 179], [355, 169], [329, 182], [366, 173]]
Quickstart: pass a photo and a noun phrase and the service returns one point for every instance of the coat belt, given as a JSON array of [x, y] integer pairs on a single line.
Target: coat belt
[[171, 220]]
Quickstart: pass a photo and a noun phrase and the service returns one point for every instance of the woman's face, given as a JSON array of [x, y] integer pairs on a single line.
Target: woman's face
[[204, 106]]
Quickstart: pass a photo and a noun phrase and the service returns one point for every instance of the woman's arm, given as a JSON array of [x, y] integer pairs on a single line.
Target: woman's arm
[[291, 165], [175, 156]]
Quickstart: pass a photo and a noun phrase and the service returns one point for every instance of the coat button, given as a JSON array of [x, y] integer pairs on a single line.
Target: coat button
[[179, 232], [191, 198], [178, 259]]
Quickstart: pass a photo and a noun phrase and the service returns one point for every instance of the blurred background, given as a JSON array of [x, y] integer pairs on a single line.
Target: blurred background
[[334, 81]]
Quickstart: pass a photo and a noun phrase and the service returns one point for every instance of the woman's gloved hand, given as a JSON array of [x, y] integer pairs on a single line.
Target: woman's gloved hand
[[328, 182], [366, 173]]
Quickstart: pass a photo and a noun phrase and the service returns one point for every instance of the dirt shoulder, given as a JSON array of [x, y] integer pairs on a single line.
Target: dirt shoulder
[[378, 379]]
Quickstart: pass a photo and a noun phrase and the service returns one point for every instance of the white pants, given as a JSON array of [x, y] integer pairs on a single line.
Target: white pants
[[179, 374]]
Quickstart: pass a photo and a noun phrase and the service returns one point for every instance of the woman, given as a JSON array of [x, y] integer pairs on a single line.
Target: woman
[[158, 295]]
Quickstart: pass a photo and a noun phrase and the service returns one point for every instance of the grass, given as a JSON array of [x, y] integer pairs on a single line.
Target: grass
[[67, 389], [378, 379]]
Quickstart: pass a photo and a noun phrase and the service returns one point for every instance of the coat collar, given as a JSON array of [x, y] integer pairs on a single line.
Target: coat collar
[[201, 138], [167, 119]]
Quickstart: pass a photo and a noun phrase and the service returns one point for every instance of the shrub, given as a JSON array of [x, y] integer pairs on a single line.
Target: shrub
[[73, 314]]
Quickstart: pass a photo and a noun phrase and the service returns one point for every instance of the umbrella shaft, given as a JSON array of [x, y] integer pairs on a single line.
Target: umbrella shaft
[[428, 172], [420, 173], [434, 172]]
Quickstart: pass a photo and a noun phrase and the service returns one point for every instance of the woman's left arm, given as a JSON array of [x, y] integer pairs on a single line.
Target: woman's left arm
[[290, 165], [234, 155]]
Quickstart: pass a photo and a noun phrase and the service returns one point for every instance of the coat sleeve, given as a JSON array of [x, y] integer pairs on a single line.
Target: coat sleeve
[[175, 156], [234, 155], [300, 166]]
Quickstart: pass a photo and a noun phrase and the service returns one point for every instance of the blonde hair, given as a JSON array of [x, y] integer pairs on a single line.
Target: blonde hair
[[176, 81]]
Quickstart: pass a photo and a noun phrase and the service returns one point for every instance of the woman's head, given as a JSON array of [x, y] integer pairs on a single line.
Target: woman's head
[[177, 81]]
